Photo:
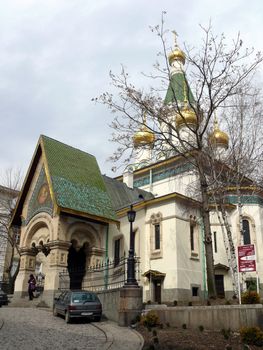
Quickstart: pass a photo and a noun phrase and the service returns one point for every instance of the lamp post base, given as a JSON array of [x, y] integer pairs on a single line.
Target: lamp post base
[[130, 304]]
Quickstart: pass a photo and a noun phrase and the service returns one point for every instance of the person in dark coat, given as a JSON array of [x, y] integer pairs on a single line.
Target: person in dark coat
[[31, 286]]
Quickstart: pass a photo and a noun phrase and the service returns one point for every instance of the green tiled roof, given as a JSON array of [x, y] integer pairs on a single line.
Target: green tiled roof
[[176, 90], [76, 180], [123, 196]]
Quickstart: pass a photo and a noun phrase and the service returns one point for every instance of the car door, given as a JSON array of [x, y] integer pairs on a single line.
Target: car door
[[60, 303]]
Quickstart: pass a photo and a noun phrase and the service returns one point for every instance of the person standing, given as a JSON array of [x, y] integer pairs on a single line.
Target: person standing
[[31, 286]]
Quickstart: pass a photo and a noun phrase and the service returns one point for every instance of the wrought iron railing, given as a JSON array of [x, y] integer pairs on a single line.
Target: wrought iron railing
[[105, 276]]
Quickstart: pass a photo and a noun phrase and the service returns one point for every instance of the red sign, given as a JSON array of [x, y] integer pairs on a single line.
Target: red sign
[[246, 258]]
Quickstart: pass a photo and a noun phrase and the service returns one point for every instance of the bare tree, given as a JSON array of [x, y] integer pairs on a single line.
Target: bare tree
[[182, 122], [243, 162], [9, 252]]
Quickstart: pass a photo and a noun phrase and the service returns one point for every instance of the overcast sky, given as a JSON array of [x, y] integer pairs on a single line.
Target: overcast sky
[[55, 56]]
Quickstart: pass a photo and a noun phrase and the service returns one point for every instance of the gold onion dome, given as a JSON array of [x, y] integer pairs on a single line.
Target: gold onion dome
[[177, 54], [187, 117], [143, 137], [218, 137]]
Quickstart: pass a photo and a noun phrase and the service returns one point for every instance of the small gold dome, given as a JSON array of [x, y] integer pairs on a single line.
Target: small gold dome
[[143, 137], [186, 117], [218, 137], [176, 55]]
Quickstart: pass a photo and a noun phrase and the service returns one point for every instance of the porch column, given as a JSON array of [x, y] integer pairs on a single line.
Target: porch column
[[27, 266], [57, 263]]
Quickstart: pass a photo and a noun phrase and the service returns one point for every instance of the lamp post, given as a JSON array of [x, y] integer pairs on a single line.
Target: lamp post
[[131, 280]]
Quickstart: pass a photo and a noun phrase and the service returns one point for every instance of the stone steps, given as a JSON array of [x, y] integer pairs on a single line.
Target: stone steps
[[25, 302]]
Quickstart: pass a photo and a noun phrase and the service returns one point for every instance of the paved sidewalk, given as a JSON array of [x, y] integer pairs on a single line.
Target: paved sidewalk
[[37, 329], [122, 338]]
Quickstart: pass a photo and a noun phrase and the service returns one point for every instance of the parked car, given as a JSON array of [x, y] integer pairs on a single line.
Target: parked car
[[3, 298], [75, 304]]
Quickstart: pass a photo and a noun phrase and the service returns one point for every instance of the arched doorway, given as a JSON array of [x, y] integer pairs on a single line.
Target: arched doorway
[[76, 265]]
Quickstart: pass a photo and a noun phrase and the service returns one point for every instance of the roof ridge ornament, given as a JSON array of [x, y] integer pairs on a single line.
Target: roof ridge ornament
[[175, 38]]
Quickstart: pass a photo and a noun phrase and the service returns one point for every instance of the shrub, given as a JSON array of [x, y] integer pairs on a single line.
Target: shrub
[[154, 333], [190, 303], [228, 302], [149, 320], [137, 318], [175, 302], [226, 333], [155, 340], [184, 326], [208, 303], [250, 297], [252, 336], [201, 328]]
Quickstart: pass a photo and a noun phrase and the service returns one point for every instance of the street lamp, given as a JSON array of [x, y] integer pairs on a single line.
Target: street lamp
[[131, 280]]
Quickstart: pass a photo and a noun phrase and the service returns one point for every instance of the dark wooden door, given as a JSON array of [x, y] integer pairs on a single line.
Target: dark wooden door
[[157, 291], [220, 289]]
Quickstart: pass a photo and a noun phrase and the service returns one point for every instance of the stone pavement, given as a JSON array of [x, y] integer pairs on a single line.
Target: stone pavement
[[37, 329]]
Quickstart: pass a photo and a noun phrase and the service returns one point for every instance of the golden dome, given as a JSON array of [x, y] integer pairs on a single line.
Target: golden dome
[[143, 137], [186, 117], [218, 137], [176, 55]]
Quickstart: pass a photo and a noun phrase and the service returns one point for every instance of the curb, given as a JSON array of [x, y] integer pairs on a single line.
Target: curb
[[140, 337]]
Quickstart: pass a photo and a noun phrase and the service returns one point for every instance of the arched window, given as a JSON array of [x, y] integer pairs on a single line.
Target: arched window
[[246, 231]]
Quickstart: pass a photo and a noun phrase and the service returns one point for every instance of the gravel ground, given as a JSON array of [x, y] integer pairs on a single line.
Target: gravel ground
[[38, 329]]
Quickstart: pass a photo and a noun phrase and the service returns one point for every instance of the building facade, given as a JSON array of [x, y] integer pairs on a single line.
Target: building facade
[[71, 217]]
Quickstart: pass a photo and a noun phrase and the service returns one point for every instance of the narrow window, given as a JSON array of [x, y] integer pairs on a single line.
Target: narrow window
[[246, 232], [157, 236], [215, 242], [192, 238], [117, 245], [194, 291]]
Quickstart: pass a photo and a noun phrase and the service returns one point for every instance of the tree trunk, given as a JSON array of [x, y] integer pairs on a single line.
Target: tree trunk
[[207, 231], [230, 247]]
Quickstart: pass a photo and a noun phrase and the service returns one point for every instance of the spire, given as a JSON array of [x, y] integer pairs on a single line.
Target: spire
[[175, 92]]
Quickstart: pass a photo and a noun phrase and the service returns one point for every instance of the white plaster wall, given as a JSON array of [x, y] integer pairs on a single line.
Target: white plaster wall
[[186, 184]]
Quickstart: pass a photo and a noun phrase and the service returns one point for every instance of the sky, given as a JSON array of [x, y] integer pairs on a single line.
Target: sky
[[55, 56]]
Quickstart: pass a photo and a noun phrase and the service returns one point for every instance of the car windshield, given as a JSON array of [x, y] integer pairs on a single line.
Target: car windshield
[[83, 297]]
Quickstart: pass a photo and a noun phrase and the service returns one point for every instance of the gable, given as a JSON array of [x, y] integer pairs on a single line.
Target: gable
[[40, 200], [69, 180]]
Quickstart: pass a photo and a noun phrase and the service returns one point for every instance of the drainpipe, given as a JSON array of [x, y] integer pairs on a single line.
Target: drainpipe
[[151, 180], [106, 275], [203, 257]]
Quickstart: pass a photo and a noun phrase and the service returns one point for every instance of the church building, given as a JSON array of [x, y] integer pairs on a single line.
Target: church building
[[73, 218]]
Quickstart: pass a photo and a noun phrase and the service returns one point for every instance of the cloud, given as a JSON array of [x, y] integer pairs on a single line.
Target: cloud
[[55, 56]]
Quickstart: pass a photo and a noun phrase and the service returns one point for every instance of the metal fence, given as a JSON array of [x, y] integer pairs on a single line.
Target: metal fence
[[105, 276]]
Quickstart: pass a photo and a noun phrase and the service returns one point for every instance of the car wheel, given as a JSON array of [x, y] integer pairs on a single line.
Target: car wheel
[[55, 313], [67, 317], [97, 318]]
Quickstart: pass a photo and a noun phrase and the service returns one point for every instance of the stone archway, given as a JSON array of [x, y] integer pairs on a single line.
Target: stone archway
[[85, 251], [76, 265]]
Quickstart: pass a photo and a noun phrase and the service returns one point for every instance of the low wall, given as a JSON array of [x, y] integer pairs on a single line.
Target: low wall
[[211, 317], [110, 300], [121, 305]]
